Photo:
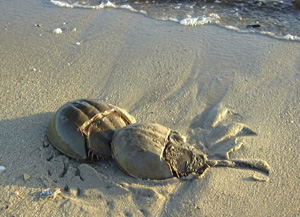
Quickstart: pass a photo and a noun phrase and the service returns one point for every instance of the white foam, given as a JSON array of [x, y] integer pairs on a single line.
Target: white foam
[[103, 4], [213, 15], [199, 21], [232, 28], [189, 21], [106, 4], [61, 4], [128, 7], [143, 12], [291, 37], [169, 19], [77, 5], [173, 19], [271, 34]]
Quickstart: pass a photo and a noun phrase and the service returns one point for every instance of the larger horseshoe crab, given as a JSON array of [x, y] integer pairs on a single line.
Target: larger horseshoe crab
[[84, 128], [152, 151]]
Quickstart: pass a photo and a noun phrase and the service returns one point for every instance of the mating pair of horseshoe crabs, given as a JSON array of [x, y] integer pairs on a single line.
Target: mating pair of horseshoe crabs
[[87, 129]]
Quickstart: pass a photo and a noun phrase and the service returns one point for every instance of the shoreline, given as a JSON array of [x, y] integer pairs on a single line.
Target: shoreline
[[211, 19], [160, 72]]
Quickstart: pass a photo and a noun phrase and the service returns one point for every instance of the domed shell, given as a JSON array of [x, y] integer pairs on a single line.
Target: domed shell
[[138, 151], [75, 129], [152, 151]]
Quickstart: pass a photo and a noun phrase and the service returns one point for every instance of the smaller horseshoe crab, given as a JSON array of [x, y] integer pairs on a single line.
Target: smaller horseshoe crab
[[84, 128], [152, 151]]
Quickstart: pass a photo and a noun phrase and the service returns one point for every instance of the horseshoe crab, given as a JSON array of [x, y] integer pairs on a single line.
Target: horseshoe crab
[[152, 151], [84, 128]]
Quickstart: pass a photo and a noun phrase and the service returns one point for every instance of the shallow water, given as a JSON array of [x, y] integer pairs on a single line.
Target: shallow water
[[279, 19]]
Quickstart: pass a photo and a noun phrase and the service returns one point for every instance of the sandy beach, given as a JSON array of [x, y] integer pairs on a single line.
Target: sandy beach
[[159, 72]]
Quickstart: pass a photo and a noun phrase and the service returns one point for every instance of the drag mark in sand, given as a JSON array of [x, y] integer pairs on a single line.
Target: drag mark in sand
[[197, 86]]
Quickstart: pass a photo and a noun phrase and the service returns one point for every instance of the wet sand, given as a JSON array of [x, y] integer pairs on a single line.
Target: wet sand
[[160, 72]]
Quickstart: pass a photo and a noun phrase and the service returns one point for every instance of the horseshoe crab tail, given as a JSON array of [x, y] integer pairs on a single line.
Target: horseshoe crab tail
[[246, 163]]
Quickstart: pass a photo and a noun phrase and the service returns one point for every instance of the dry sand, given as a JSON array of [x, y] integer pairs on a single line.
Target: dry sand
[[160, 72]]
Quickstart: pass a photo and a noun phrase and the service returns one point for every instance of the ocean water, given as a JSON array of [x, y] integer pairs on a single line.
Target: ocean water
[[276, 18]]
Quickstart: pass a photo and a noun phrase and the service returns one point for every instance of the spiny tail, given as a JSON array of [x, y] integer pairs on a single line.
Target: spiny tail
[[248, 163]]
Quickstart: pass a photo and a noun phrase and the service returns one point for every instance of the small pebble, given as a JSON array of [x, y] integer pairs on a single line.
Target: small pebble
[[2, 168], [50, 193], [74, 30], [57, 31], [77, 43], [26, 176]]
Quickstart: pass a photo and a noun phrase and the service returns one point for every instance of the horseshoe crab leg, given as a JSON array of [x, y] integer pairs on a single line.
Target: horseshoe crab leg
[[246, 163]]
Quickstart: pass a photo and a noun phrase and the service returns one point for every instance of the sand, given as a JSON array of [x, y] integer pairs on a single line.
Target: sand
[[160, 72]]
